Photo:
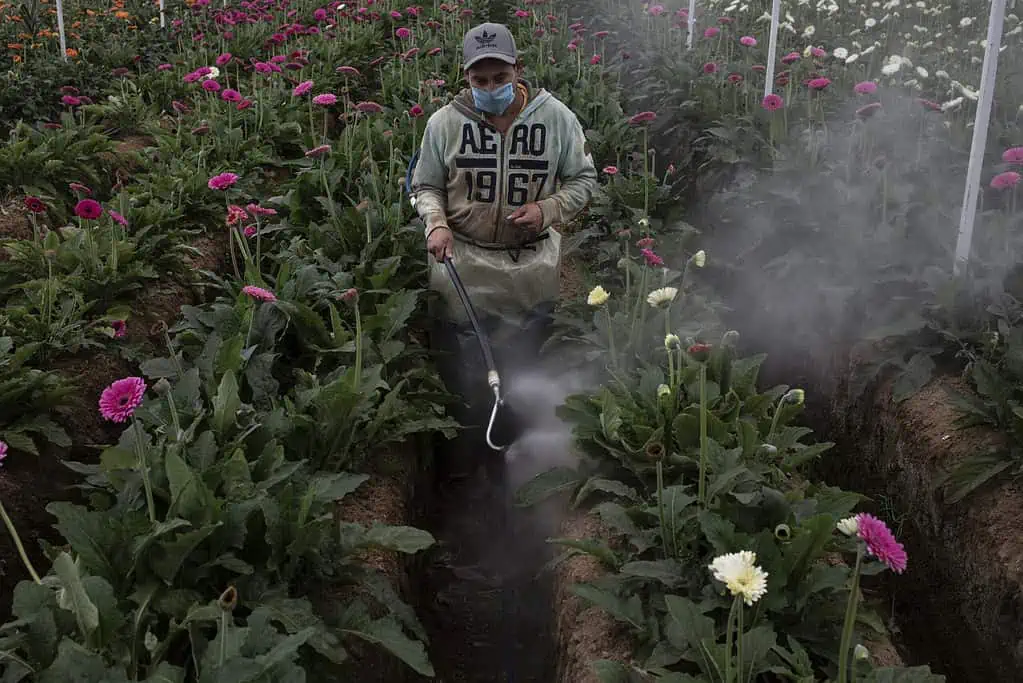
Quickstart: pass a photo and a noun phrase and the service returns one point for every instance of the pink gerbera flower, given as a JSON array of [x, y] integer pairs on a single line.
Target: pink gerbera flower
[[1003, 181], [818, 83], [403, 33], [1013, 155], [710, 68], [210, 85], [865, 88], [318, 151], [119, 400], [881, 542], [118, 218], [258, 293], [231, 95], [642, 117], [120, 328], [302, 88], [369, 107], [651, 258], [325, 99], [3, 452], [611, 170], [89, 209], [772, 102], [222, 181], [748, 41], [223, 59], [711, 32]]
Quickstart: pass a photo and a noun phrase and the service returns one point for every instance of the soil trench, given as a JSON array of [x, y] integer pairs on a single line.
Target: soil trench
[[485, 601]]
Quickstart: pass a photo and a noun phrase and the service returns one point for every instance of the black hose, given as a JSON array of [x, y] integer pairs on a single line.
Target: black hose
[[481, 335]]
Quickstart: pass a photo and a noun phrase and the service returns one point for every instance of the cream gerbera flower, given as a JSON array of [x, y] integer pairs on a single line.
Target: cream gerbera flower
[[598, 296], [662, 297], [741, 575]]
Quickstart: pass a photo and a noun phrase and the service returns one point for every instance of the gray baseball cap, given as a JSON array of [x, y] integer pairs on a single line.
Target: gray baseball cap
[[488, 41]]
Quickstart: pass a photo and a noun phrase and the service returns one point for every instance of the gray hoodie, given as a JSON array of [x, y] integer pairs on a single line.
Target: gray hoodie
[[470, 177]]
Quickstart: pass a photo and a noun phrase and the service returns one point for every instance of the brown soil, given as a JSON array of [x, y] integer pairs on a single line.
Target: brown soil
[[385, 499], [583, 633], [958, 604], [572, 285], [91, 374], [14, 222]]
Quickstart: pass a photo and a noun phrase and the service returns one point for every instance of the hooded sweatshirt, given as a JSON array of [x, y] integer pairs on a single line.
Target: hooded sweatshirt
[[470, 177]]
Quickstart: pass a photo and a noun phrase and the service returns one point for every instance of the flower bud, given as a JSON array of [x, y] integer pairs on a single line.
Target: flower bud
[[699, 259], [162, 387], [849, 526], [350, 294], [767, 450], [671, 342], [663, 391], [861, 653], [783, 532], [730, 339], [644, 223], [699, 351], [794, 397], [228, 599], [654, 451]]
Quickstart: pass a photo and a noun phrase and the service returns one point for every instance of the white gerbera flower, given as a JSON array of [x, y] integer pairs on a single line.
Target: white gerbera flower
[[598, 296], [662, 297], [741, 575], [965, 21], [840, 53], [214, 72], [870, 22]]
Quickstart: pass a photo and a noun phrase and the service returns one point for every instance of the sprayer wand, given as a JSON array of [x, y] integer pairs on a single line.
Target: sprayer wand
[[493, 378]]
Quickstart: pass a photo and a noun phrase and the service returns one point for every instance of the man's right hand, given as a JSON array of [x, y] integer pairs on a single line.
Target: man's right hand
[[441, 243]]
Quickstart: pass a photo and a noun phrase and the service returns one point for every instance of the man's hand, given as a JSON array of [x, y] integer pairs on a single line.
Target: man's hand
[[528, 217], [441, 243]]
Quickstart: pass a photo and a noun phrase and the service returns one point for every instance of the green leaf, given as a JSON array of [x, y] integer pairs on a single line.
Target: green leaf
[[190, 498], [591, 546], [545, 485], [328, 488], [719, 531], [74, 664], [74, 596], [226, 403], [689, 625], [914, 674], [629, 610], [611, 486], [403, 539], [387, 633], [171, 555], [913, 377], [167, 673], [90, 534], [668, 572], [609, 671], [757, 643]]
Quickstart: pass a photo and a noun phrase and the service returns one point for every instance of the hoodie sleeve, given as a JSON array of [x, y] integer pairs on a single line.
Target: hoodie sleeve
[[429, 180], [576, 172]]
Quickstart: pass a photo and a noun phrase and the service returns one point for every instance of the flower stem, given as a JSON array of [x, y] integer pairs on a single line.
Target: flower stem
[[17, 543], [144, 470], [729, 638], [660, 508], [701, 487], [611, 337], [738, 639], [850, 619], [358, 348]]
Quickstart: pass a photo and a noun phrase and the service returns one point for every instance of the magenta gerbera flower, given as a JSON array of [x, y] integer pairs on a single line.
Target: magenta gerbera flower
[[222, 181], [881, 542], [302, 88], [258, 293], [772, 102], [89, 209], [3, 452], [325, 99], [119, 400], [1005, 180], [1013, 155]]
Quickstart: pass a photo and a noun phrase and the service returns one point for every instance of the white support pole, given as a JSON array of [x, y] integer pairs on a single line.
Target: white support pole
[[980, 131], [163, 17], [772, 48], [691, 24], [60, 30]]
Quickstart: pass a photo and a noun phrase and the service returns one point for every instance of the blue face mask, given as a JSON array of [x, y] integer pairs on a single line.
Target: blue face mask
[[494, 101]]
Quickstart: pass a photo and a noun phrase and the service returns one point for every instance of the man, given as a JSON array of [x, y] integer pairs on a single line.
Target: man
[[499, 166]]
